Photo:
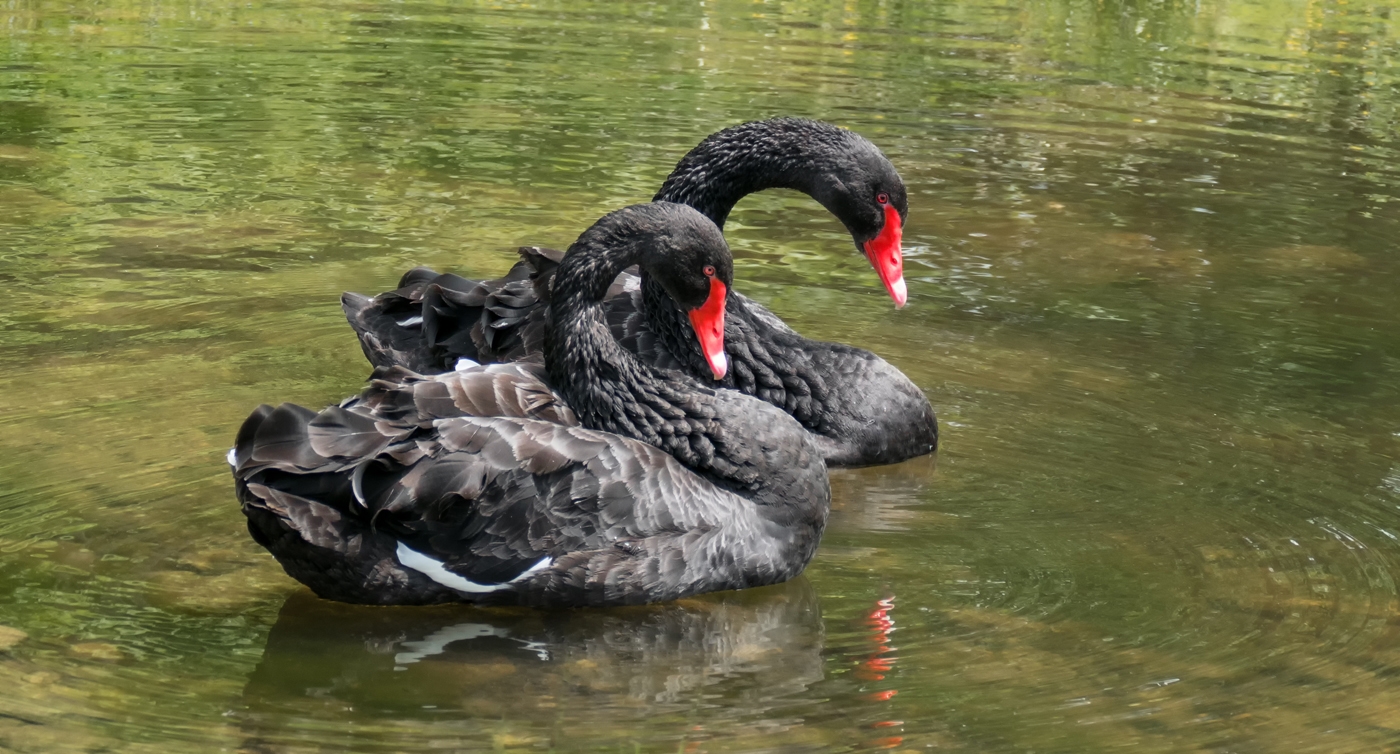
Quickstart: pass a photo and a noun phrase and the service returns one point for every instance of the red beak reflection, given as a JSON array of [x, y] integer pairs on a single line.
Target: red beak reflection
[[887, 258], [708, 322]]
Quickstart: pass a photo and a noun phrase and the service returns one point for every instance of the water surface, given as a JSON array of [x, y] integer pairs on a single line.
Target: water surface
[[1152, 273]]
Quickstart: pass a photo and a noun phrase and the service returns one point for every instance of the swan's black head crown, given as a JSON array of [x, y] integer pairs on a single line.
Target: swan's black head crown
[[675, 244], [855, 181]]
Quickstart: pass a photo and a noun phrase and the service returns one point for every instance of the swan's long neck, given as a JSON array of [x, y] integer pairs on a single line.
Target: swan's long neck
[[729, 165]]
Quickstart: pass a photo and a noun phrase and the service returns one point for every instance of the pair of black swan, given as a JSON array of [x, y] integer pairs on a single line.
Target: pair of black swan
[[615, 473]]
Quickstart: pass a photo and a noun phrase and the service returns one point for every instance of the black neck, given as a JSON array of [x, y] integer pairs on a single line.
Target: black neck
[[610, 390], [767, 367]]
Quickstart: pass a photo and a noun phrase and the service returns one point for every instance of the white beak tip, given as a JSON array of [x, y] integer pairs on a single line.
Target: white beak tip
[[899, 292], [719, 365]]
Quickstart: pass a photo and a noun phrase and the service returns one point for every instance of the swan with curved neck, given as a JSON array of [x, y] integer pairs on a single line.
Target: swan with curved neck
[[862, 410], [839, 168], [612, 482]]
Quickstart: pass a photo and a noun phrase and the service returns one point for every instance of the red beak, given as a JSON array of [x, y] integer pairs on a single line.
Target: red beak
[[886, 257], [708, 322]]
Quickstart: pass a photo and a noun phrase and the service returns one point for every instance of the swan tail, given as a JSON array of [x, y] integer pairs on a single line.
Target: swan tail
[[432, 320], [390, 327]]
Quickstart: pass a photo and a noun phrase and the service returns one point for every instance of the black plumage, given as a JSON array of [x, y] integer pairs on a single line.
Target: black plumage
[[862, 410], [592, 479]]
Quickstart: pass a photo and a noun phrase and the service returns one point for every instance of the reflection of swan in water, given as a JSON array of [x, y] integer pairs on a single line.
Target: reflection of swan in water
[[332, 666], [436, 642]]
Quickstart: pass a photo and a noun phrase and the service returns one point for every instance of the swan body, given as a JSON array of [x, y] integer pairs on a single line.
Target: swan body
[[591, 478]]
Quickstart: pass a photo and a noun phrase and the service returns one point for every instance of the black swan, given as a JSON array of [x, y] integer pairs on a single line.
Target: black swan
[[623, 484], [862, 410]]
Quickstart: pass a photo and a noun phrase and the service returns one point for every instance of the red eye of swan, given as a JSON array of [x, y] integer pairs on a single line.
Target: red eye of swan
[[882, 198], [709, 270]]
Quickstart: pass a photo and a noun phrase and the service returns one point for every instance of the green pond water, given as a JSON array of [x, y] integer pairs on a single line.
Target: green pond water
[[1153, 298]]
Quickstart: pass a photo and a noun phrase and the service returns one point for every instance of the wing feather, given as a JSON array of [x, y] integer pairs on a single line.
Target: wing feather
[[282, 439], [340, 432]]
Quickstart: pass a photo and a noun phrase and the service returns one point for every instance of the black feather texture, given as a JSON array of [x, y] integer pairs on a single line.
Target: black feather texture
[[862, 409], [621, 485]]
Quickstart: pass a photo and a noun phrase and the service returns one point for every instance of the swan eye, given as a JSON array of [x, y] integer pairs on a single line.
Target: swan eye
[[709, 270], [882, 198]]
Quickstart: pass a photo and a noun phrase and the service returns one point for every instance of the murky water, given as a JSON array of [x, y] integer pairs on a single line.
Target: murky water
[[1152, 275]]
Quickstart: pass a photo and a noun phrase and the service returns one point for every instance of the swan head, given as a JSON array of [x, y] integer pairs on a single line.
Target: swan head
[[858, 184], [693, 264]]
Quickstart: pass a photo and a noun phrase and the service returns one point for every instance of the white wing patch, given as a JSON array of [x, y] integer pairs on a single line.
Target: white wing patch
[[464, 363], [233, 457], [413, 321], [434, 570]]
